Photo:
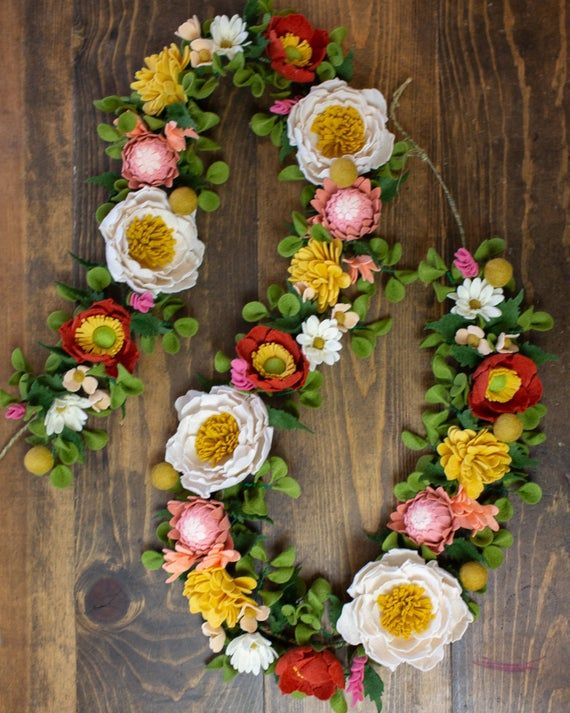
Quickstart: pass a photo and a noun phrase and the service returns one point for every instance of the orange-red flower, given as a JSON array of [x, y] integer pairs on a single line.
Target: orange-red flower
[[295, 47], [314, 673]]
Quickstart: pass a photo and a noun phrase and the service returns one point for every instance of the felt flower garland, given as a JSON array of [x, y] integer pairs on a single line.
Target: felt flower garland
[[259, 615]]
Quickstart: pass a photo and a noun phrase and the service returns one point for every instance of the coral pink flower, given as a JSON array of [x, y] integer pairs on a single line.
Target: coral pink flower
[[240, 379], [471, 515], [176, 135], [428, 519], [143, 302], [361, 266], [465, 263], [149, 160], [201, 530], [348, 213], [283, 106], [355, 684], [15, 412]]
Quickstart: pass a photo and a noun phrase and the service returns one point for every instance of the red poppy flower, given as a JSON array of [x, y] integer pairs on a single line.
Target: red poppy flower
[[295, 47], [101, 333], [504, 383], [275, 360], [315, 673]]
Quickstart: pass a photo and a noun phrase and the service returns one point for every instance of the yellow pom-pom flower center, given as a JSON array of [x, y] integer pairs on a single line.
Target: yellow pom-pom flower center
[[317, 265], [150, 242], [340, 131], [405, 610], [217, 438], [297, 51], [272, 360], [503, 385], [100, 335]]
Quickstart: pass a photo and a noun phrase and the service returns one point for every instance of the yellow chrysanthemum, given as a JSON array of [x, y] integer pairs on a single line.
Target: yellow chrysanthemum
[[340, 131], [158, 83], [218, 596], [317, 265], [474, 459]]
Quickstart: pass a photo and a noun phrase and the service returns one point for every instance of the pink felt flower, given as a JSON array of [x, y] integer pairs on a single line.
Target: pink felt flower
[[283, 106], [471, 515], [176, 135], [361, 266], [465, 263], [149, 160], [240, 378], [143, 302], [348, 213], [428, 519], [355, 683], [201, 530], [15, 412]]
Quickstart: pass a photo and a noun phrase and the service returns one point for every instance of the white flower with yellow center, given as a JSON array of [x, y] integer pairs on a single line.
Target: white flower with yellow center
[[334, 121], [477, 298], [229, 35], [251, 653], [222, 437], [320, 341], [78, 378], [150, 247], [66, 412], [404, 610]]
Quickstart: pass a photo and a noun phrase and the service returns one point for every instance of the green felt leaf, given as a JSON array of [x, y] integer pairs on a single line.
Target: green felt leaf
[[506, 510], [338, 700], [152, 560], [503, 538], [404, 492], [381, 327], [289, 486], [289, 305], [289, 245], [254, 502], [488, 249], [395, 291], [390, 542], [222, 363], [108, 104], [274, 292], [361, 346], [170, 343], [127, 121], [299, 223], [285, 559], [254, 311], [186, 327], [447, 325], [438, 394], [441, 369], [18, 361], [291, 173], [108, 133], [5, 398], [95, 439], [218, 173], [282, 575], [131, 385], [413, 441], [466, 356], [320, 233], [208, 201], [56, 319], [326, 71], [530, 493], [493, 556], [102, 211], [98, 278], [532, 417], [373, 686], [61, 476], [284, 420]]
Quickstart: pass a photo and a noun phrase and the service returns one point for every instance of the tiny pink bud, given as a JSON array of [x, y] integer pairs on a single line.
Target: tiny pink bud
[[15, 412], [142, 303]]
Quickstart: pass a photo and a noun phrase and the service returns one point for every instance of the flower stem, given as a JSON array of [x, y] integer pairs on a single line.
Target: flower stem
[[423, 155], [14, 439]]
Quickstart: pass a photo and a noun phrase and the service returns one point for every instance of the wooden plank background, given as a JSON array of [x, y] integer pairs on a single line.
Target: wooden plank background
[[83, 628]]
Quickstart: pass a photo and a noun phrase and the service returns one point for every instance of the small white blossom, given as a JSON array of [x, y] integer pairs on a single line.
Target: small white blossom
[[66, 411], [320, 341], [477, 298], [229, 35], [251, 653]]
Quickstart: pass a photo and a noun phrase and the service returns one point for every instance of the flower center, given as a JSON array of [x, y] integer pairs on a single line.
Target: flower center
[[205, 55], [272, 360], [297, 51], [475, 304], [150, 242], [340, 131], [78, 376], [340, 318], [195, 531], [100, 335], [217, 438], [405, 610], [503, 385], [473, 340], [318, 343]]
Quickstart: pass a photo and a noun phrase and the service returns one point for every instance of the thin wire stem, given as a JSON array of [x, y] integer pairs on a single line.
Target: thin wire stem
[[14, 439]]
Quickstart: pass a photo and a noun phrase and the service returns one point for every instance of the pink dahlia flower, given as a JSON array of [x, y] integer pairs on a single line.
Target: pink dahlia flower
[[149, 160], [201, 530], [465, 263], [240, 379], [355, 683], [428, 519], [471, 515], [348, 213], [15, 412]]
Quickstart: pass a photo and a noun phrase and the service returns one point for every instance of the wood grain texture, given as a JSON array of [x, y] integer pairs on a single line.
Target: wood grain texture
[[83, 628]]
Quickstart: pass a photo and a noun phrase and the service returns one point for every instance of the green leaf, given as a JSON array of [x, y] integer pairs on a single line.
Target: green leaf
[[289, 245], [222, 363], [61, 476], [108, 133], [530, 493], [95, 439], [361, 346], [289, 486], [218, 173], [338, 35], [98, 278], [361, 305], [532, 417], [284, 420], [503, 538], [127, 121], [254, 502], [447, 325], [493, 247], [413, 441], [254, 311], [18, 361], [56, 319], [441, 369], [290, 173], [320, 233], [373, 686], [152, 560], [186, 327], [403, 492], [131, 385], [108, 104], [285, 559], [390, 542], [208, 201], [170, 343], [338, 700], [506, 510], [303, 633], [429, 274], [289, 305], [102, 211], [381, 327], [395, 291], [493, 556], [5, 398], [465, 355], [438, 394], [280, 576], [262, 124]]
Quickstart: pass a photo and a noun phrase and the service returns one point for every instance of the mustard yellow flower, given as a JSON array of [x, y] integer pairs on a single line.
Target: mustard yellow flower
[[317, 265], [158, 83], [474, 459], [218, 596]]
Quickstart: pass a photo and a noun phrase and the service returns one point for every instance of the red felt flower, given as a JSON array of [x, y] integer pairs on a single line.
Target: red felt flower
[[274, 360], [295, 47], [315, 673], [528, 393], [101, 334]]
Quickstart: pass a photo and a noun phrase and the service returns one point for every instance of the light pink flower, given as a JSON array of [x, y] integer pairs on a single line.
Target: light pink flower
[[345, 319], [348, 213], [355, 683], [284, 106], [100, 400], [305, 292], [140, 128], [361, 266], [465, 263], [142, 302], [77, 378], [216, 635], [250, 615], [240, 378], [176, 135], [149, 160], [474, 337], [505, 345], [15, 412], [201, 52], [189, 30], [201, 530], [471, 515]]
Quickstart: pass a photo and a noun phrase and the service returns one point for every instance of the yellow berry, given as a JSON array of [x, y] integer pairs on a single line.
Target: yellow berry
[[183, 200], [473, 576], [343, 172], [508, 428], [498, 272], [38, 460], [164, 477]]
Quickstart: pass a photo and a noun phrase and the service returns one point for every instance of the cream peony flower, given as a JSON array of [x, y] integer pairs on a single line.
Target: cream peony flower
[[222, 437], [66, 412], [335, 120], [229, 35], [251, 653], [404, 611], [149, 247], [477, 298]]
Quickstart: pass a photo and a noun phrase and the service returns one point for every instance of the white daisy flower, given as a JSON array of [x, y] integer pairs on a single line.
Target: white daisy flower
[[251, 653], [229, 35], [320, 341], [66, 412], [477, 298]]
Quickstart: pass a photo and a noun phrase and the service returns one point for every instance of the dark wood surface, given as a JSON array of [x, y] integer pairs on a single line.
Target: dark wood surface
[[83, 628]]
